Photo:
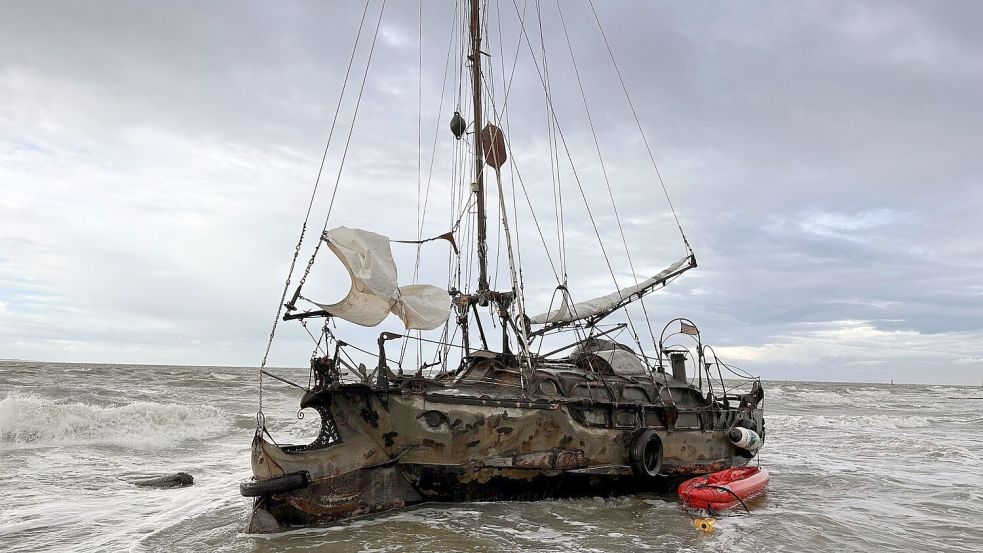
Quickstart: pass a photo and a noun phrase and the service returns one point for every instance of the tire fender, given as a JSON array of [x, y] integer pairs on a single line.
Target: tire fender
[[645, 453], [277, 484]]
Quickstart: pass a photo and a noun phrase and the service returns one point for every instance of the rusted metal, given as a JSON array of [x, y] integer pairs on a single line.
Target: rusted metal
[[418, 439], [493, 144]]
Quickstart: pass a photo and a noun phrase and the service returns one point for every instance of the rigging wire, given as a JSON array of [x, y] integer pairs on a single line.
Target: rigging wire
[[553, 152], [566, 148], [419, 162], [422, 214], [513, 166], [638, 123], [522, 337], [559, 130], [454, 260], [348, 141], [310, 204], [607, 180], [419, 159], [532, 211], [358, 103], [497, 118], [505, 116], [554, 131], [515, 58]]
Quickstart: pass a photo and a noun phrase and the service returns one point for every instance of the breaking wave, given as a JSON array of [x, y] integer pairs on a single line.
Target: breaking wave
[[141, 425], [837, 397], [822, 397], [854, 423]]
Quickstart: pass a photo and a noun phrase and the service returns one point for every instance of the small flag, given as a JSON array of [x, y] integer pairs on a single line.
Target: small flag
[[688, 329]]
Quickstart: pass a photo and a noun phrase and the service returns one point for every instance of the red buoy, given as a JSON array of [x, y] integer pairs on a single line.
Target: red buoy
[[725, 489]]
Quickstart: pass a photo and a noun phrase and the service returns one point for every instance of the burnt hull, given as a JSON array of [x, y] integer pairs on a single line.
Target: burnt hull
[[382, 450]]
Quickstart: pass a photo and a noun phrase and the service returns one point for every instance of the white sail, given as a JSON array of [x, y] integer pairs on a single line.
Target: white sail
[[604, 304], [374, 292], [369, 261], [422, 306]]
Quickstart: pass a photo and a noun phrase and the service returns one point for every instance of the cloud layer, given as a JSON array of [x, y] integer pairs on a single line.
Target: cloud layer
[[156, 163]]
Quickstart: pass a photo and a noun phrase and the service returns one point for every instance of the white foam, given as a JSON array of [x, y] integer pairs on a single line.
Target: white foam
[[224, 377], [876, 394], [37, 420], [848, 422], [824, 397], [775, 392]]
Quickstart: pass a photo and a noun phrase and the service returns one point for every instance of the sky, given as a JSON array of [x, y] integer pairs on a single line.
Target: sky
[[824, 160]]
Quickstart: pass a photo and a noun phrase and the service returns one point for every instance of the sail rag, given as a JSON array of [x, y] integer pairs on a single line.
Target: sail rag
[[374, 292], [605, 304]]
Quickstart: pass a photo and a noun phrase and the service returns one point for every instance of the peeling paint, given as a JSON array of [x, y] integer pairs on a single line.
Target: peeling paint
[[399, 448]]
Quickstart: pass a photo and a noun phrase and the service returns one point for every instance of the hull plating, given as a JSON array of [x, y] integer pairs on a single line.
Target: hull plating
[[381, 450]]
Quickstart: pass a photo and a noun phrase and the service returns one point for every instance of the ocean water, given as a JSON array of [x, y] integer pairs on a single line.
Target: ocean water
[[854, 467]]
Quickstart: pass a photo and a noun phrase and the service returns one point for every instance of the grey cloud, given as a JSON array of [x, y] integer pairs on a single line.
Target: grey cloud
[[155, 160]]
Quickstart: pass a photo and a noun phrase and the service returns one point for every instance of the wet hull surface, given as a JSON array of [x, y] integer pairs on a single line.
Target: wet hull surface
[[396, 450]]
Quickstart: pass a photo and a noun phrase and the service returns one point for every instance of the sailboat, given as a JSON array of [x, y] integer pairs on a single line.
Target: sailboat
[[492, 417]]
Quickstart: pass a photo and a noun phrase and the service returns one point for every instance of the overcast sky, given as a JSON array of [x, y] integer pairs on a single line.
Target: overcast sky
[[825, 160]]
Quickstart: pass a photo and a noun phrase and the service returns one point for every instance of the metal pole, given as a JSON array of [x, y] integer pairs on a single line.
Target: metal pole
[[479, 162]]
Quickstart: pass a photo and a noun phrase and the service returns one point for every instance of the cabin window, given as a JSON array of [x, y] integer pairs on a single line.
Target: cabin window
[[590, 392], [591, 416], [549, 388], [634, 393], [688, 420], [626, 418], [596, 417], [653, 419], [507, 377]]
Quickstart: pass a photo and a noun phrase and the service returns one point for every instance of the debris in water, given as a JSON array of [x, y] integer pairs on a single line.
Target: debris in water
[[176, 480], [706, 525]]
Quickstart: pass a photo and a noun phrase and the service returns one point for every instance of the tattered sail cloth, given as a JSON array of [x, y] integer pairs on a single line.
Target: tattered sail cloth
[[604, 304], [374, 292]]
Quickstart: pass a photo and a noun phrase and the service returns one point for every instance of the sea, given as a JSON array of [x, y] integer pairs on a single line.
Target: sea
[[854, 467]]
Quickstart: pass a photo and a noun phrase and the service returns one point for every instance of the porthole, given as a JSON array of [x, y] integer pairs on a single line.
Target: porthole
[[434, 420]]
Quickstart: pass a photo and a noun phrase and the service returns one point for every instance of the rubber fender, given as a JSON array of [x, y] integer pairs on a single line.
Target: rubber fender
[[745, 439], [277, 484], [750, 424], [645, 453]]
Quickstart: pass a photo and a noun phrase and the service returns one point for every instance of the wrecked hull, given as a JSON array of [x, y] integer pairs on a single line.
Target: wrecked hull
[[382, 450], [379, 489]]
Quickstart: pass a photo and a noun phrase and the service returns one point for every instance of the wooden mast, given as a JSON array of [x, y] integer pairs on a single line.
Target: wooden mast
[[479, 161]]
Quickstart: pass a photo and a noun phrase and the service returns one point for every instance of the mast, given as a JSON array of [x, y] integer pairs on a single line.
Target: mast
[[479, 163]]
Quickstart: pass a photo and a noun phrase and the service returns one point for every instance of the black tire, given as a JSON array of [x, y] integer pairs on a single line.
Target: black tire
[[645, 453], [278, 484]]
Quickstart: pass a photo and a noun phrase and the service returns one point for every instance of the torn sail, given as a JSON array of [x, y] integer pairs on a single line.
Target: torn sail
[[374, 292], [422, 306], [605, 304]]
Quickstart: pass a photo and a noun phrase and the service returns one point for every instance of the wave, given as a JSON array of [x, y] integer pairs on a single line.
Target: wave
[[848, 422], [836, 397], [140, 425], [821, 397], [776, 392]]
